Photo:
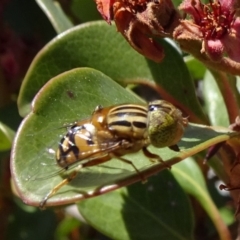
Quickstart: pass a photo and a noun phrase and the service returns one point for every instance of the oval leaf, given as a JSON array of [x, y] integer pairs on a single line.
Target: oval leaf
[[99, 46], [213, 99], [190, 177], [65, 99], [55, 15], [153, 210], [6, 137]]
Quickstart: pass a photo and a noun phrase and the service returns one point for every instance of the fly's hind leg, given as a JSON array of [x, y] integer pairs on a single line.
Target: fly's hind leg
[[154, 157], [93, 162], [143, 179], [60, 185]]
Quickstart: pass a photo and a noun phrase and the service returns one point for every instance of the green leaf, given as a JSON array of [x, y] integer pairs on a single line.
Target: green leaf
[[176, 3], [213, 99], [85, 10], [65, 227], [99, 46], [156, 210], [65, 99], [6, 137], [196, 68], [56, 16], [173, 78], [190, 177], [9, 122]]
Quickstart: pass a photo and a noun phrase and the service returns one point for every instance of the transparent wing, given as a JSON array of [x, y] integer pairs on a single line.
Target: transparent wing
[[88, 154]]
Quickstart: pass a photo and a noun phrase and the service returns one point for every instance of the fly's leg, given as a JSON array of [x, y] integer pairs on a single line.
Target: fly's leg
[[143, 179], [60, 185], [154, 157], [174, 148], [72, 176], [151, 156]]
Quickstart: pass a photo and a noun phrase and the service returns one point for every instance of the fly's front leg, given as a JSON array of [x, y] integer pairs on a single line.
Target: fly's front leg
[[154, 157], [174, 148]]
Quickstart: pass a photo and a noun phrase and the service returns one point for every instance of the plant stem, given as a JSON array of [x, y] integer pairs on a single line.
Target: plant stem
[[228, 88]]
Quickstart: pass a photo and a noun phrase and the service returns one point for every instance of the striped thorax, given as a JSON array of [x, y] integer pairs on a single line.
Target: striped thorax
[[125, 120]]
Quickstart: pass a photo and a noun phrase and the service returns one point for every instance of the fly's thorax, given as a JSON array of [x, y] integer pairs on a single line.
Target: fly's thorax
[[99, 117], [166, 124], [128, 121], [79, 142]]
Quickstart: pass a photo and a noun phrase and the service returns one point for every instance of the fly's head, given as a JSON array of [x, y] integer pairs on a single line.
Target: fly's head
[[166, 124]]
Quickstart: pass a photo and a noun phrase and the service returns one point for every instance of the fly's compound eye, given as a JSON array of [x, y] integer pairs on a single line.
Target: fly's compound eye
[[165, 124], [152, 108], [158, 105]]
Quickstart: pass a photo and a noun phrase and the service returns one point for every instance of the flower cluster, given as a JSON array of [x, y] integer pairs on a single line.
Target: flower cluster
[[215, 24], [141, 20], [211, 29]]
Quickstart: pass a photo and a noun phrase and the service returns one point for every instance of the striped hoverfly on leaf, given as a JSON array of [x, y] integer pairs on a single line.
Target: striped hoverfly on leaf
[[115, 131]]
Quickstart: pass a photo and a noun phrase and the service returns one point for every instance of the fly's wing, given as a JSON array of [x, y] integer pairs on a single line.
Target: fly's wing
[[83, 145], [90, 155]]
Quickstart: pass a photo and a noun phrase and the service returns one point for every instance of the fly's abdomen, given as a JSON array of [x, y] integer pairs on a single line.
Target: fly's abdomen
[[78, 144], [129, 120]]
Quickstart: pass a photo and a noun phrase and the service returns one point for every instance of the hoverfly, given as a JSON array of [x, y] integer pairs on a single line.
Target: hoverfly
[[114, 131]]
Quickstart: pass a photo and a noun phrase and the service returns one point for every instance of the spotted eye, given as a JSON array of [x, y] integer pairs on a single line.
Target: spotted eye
[[152, 108], [165, 124]]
